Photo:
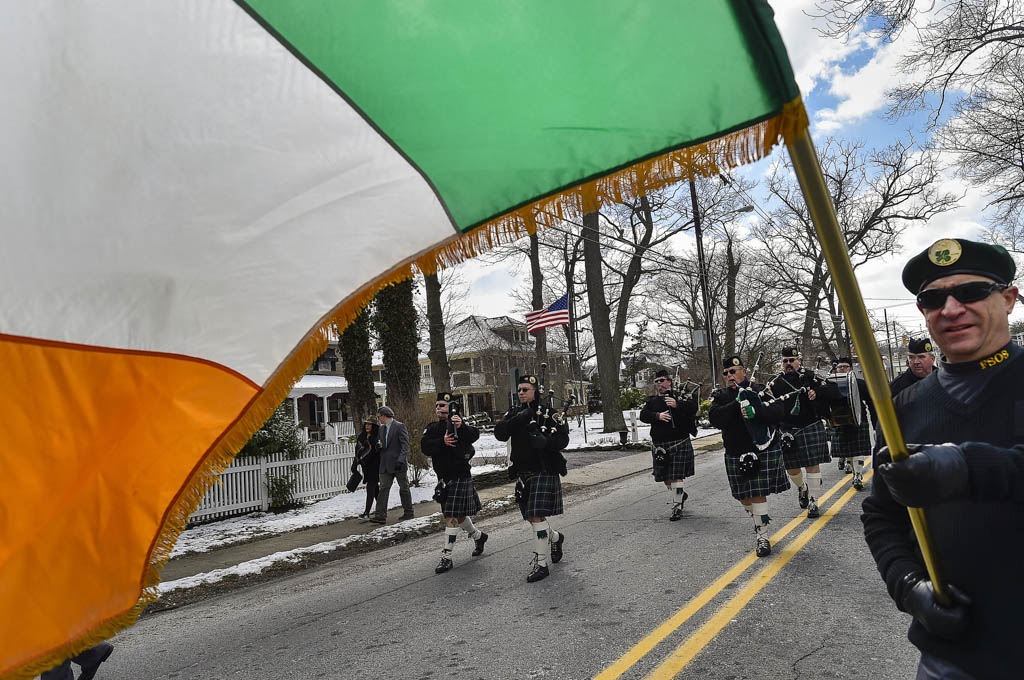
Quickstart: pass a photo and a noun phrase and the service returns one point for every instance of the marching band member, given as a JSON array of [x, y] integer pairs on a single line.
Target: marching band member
[[965, 469], [920, 363], [450, 449], [537, 463], [753, 459], [852, 442], [804, 444], [672, 420]]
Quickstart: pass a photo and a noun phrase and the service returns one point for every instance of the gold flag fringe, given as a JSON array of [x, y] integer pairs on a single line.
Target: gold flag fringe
[[701, 160]]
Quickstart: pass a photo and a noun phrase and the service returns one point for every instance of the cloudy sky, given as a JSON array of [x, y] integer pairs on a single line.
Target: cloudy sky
[[843, 84]]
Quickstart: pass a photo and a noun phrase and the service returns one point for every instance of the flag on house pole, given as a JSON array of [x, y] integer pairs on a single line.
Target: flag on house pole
[[556, 314], [195, 194]]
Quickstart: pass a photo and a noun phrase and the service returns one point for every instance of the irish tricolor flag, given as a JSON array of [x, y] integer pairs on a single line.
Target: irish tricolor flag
[[194, 191]]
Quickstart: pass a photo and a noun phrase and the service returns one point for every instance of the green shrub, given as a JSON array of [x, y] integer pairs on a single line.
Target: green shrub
[[632, 398]]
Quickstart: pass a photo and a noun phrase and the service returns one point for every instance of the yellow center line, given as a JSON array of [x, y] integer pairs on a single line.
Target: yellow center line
[[706, 633], [652, 639]]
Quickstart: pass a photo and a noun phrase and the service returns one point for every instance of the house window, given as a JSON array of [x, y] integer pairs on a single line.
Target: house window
[[426, 370]]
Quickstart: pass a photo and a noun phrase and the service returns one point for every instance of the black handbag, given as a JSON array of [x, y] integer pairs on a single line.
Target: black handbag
[[354, 480], [441, 492]]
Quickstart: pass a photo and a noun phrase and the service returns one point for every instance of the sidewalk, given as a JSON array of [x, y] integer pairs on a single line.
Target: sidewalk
[[231, 555]]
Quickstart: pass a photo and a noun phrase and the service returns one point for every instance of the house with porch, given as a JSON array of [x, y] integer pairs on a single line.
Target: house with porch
[[319, 400], [484, 355]]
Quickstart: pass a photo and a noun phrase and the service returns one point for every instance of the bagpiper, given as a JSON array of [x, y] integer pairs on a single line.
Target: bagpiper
[[537, 464], [753, 458], [672, 420], [449, 444], [804, 442]]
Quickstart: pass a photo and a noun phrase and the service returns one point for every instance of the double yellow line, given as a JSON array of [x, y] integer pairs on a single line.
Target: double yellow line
[[685, 653]]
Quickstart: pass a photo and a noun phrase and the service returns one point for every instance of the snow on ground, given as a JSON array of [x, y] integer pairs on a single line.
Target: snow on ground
[[347, 505], [379, 534]]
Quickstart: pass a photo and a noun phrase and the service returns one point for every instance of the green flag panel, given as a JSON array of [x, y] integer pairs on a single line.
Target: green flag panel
[[501, 103]]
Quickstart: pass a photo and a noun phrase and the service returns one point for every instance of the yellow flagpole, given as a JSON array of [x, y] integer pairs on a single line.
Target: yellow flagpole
[[819, 203]]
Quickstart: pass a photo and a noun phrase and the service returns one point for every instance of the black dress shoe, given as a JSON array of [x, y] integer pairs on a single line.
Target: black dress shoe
[[89, 672], [803, 496], [677, 512], [537, 574], [479, 543], [444, 565], [556, 548]]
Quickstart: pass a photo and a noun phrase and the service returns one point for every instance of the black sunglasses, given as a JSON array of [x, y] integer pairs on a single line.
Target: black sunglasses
[[524, 389], [973, 291], [730, 371]]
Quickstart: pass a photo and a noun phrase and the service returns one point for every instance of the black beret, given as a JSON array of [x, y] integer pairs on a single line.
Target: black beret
[[527, 379], [950, 256], [790, 352], [444, 396], [919, 346], [844, 360], [729, 362], [661, 374]]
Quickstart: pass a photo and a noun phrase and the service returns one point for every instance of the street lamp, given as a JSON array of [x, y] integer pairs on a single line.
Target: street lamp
[[712, 353]]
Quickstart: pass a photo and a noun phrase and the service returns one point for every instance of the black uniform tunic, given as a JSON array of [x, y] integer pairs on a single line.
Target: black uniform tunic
[[449, 462], [980, 541], [680, 427]]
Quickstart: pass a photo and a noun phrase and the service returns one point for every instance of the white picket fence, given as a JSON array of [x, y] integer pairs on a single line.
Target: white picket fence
[[242, 487]]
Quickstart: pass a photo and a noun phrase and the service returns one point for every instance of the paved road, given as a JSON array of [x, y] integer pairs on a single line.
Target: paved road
[[818, 610]]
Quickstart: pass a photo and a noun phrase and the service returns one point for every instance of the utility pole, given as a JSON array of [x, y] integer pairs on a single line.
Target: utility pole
[[704, 286], [888, 341]]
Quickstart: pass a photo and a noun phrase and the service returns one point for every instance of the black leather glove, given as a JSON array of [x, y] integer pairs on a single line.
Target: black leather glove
[[933, 473], [949, 623]]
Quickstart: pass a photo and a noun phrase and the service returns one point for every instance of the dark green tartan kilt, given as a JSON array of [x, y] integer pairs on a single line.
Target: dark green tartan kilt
[[771, 477], [542, 495], [678, 463], [462, 499], [811, 447], [849, 441]]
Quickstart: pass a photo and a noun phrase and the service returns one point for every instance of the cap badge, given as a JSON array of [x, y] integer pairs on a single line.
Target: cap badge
[[945, 252], [927, 347]]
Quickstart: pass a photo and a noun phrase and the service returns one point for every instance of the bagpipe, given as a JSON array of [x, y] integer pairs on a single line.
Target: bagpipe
[[551, 422]]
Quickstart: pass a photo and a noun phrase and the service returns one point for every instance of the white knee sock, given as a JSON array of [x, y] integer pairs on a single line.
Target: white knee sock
[[746, 506], [677, 492], [541, 542], [814, 484], [858, 463], [450, 534], [552, 535], [798, 478], [471, 531], [760, 514]]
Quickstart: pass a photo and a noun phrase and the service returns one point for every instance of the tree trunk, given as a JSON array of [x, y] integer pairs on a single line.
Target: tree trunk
[[357, 365], [438, 352], [608, 355], [537, 277], [399, 342]]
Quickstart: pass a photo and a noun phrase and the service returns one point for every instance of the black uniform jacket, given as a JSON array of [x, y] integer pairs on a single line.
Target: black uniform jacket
[[449, 462], [518, 426], [903, 381], [682, 417], [725, 415], [810, 411], [979, 541]]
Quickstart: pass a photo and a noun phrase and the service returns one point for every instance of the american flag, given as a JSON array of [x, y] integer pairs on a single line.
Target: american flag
[[556, 314]]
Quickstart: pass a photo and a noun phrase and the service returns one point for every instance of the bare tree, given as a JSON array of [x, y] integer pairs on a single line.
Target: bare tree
[[875, 195], [970, 53], [438, 352]]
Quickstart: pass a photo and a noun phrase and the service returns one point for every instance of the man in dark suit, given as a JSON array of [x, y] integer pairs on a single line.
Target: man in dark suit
[[394, 463]]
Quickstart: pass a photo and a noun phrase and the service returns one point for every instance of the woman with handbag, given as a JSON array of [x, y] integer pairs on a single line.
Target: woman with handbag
[[368, 456]]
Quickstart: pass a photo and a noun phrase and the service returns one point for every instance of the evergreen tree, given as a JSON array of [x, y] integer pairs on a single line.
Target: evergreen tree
[[357, 364]]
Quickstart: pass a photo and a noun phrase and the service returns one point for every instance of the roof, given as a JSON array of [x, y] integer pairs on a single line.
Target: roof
[[325, 386]]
